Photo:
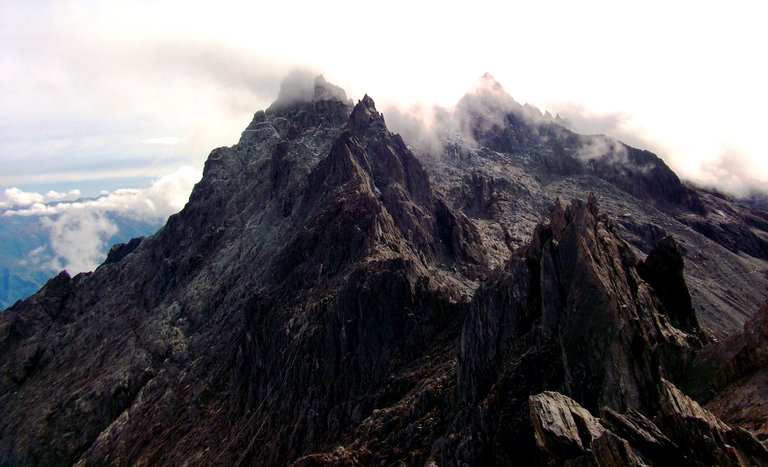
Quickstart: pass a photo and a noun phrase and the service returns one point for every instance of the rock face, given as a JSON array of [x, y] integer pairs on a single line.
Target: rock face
[[731, 376], [327, 297], [563, 429], [504, 164], [570, 313], [682, 433], [580, 283]]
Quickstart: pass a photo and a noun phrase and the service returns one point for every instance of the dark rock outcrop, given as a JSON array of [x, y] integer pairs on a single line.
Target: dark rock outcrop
[[663, 271], [121, 250], [573, 313], [314, 255], [578, 287], [562, 427], [730, 377], [681, 433]]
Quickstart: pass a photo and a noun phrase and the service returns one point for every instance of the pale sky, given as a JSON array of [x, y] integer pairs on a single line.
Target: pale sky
[[132, 90]]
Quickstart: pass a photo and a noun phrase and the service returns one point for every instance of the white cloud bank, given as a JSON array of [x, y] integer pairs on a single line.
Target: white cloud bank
[[165, 141], [78, 239], [13, 197], [79, 230], [112, 82]]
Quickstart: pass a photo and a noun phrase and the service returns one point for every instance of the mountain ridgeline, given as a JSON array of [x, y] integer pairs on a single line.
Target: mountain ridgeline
[[331, 295]]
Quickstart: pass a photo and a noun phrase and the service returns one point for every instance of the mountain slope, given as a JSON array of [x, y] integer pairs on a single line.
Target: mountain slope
[[325, 297], [509, 163]]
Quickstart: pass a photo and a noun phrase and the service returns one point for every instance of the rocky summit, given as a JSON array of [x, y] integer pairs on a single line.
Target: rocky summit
[[502, 291]]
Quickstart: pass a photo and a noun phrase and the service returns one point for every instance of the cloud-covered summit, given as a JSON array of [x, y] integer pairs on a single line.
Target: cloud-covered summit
[[485, 106], [304, 86]]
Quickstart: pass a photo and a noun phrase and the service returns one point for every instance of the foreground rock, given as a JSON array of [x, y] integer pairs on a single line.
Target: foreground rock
[[562, 427], [731, 377], [681, 433]]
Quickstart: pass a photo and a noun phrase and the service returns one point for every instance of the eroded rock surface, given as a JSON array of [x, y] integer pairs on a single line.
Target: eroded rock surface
[[681, 433]]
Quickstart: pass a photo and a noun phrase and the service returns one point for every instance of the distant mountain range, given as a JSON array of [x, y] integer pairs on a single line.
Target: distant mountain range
[[493, 290], [26, 254], [760, 201]]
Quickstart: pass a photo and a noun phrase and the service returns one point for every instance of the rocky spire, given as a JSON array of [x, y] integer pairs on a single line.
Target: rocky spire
[[365, 119]]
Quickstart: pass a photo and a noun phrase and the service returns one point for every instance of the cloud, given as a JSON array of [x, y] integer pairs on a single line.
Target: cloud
[[117, 102], [435, 129], [600, 147], [709, 162], [304, 85], [732, 172], [41, 258], [79, 239], [426, 128], [16, 197], [165, 196], [13, 197], [79, 230], [617, 125], [165, 140], [56, 196]]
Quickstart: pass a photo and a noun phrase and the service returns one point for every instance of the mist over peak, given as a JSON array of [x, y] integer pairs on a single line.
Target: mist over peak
[[483, 108], [487, 94], [304, 86]]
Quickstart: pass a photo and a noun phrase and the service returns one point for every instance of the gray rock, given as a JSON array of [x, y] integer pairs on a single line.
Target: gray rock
[[562, 427]]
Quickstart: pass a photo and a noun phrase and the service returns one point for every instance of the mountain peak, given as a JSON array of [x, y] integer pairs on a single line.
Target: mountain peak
[[365, 116], [325, 90], [488, 101], [488, 86], [487, 81], [303, 86]]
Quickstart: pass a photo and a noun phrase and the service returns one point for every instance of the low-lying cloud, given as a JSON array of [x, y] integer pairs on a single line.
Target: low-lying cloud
[[732, 173], [304, 85], [13, 197], [599, 147], [78, 239], [79, 230], [485, 109], [432, 129], [435, 130]]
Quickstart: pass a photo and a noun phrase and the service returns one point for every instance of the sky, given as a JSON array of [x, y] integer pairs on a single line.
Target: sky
[[101, 96]]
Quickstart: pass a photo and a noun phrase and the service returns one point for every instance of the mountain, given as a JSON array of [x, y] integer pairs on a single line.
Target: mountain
[[332, 295], [26, 256], [758, 200], [18, 238]]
